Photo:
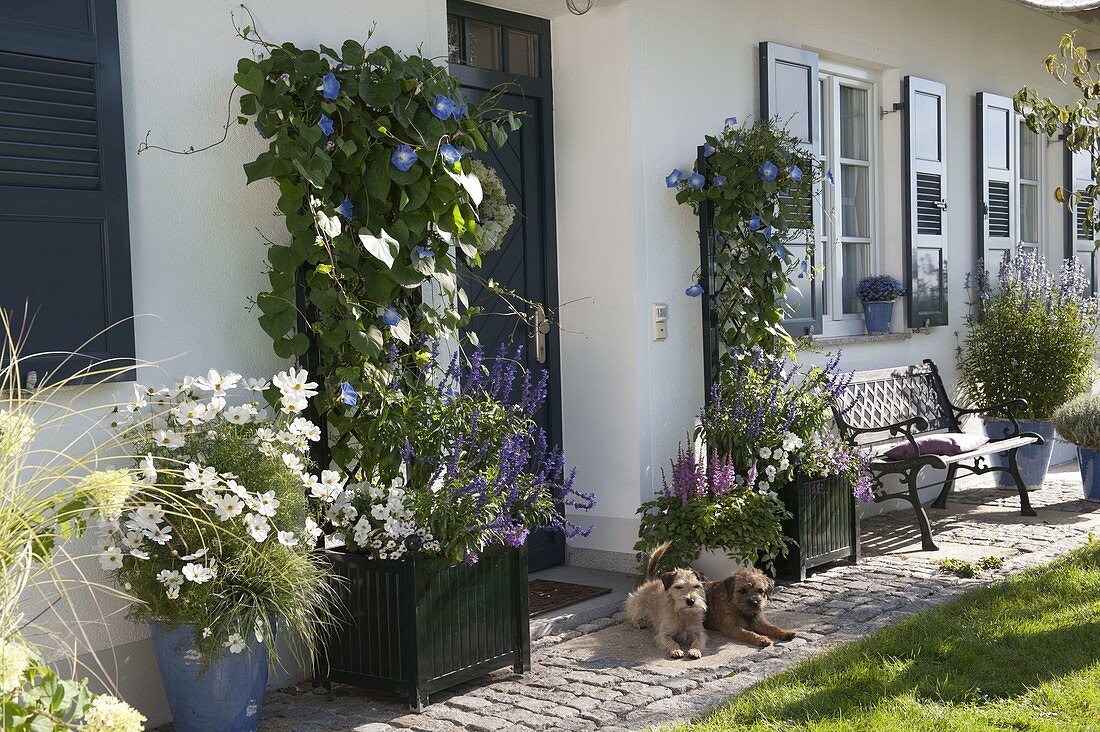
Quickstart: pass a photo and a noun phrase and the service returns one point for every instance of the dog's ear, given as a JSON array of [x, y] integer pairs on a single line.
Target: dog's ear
[[668, 578], [701, 577], [769, 588], [730, 585]]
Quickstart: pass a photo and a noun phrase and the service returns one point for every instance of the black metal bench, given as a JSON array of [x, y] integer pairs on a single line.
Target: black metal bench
[[886, 407]]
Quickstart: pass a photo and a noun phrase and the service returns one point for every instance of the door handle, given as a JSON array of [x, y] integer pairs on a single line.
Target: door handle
[[542, 328]]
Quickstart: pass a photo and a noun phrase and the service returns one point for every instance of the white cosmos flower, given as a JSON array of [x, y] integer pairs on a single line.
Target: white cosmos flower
[[190, 411], [168, 438], [228, 506], [267, 503], [206, 632], [217, 383], [293, 403], [237, 489], [265, 434], [213, 407], [196, 478], [309, 481], [332, 478], [197, 573], [287, 538], [312, 530], [141, 395], [148, 469], [170, 578], [235, 644], [257, 526], [111, 559], [132, 540], [256, 385], [293, 462], [139, 554], [295, 381], [160, 534], [242, 414], [200, 552], [119, 420], [302, 426]]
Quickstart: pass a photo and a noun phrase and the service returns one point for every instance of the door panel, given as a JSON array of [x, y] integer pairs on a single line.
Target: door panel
[[525, 263]]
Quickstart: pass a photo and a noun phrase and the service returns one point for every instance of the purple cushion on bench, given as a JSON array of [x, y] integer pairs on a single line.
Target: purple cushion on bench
[[943, 443]]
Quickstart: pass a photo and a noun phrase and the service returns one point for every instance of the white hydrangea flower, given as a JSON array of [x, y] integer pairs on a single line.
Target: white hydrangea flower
[[15, 659], [109, 714]]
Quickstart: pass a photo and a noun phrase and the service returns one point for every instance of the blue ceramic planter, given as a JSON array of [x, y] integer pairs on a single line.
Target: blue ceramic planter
[[877, 317], [1033, 460], [224, 698], [1089, 461]]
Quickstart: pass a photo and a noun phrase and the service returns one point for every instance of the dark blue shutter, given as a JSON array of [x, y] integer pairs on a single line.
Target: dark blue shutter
[[998, 213], [64, 234], [790, 90], [925, 153]]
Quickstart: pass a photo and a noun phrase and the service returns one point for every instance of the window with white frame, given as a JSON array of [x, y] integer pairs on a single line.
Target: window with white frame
[[1029, 154], [850, 245]]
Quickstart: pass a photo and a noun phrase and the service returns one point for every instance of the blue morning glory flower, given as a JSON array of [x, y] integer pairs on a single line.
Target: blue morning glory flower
[[768, 171], [694, 291], [754, 222], [796, 173], [391, 316], [802, 269], [673, 178], [330, 86], [325, 124], [829, 177], [346, 209], [443, 107], [768, 233], [348, 395], [730, 122], [708, 150], [696, 181], [450, 153], [781, 252], [460, 112], [404, 157], [424, 252], [719, 180], [259, 131]]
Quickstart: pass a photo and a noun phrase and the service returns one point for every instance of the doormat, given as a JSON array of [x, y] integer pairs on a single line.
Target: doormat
[[547, 595]]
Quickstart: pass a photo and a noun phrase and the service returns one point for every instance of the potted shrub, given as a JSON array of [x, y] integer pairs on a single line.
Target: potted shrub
[[878, 294], [433, 539], [1031, 335], [1078, 420], [779, 487], [216, 541]]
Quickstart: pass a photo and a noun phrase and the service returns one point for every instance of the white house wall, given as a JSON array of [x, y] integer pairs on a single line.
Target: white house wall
[[692, 64]]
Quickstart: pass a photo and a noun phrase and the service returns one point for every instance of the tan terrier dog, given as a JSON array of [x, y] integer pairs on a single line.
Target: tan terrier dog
[[735, 608], [673, 604]]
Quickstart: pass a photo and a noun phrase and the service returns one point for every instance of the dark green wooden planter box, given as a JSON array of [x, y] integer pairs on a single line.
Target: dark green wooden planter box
[[416, 626], [824, 525]]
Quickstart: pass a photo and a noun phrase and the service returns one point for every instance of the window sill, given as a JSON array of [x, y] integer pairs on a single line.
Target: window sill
[[849, 340]]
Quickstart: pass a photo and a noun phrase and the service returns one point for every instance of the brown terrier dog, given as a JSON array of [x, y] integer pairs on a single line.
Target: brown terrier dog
[[673, 604], [735, 608]]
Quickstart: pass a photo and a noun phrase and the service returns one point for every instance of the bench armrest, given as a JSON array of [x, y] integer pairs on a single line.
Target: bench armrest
[[1008, 410]]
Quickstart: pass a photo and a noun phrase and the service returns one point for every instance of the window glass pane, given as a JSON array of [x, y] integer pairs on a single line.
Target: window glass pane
[[523, 53], [996, 138], [857, 265], [1029, 153], [483, 45], [853, 123], [792, 98], [855, 200], [1029, 213], [454, 39], [926, 120]]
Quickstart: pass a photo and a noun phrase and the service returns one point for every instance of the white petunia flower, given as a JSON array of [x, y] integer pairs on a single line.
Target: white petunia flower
[[295, 381], [111, 559], [765, 453], [235, 644]]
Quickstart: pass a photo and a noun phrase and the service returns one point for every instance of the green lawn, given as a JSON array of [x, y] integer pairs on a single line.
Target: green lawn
[[1021, 655]]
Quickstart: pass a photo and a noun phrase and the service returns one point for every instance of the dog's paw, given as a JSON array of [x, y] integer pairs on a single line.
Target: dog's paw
[[763, 642], [695, 653], [676, 653], [640, 624], [788, 635]]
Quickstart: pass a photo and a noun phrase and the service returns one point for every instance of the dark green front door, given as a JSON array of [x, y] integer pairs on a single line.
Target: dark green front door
[[490, 48]]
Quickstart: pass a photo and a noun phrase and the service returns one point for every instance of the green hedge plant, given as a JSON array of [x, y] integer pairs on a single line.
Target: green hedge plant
[[1031, 335]]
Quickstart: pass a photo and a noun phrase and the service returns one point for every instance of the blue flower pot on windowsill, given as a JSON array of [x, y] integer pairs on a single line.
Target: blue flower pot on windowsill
[[877, 316], [225, 697], [1089, 462]]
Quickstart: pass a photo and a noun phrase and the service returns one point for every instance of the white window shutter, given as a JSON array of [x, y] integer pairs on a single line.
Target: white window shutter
[[790, 90], [925, 140], [998, 215], [1080, 237]]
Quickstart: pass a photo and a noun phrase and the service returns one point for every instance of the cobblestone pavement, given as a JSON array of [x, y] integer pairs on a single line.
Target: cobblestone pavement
[[578, 684]]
